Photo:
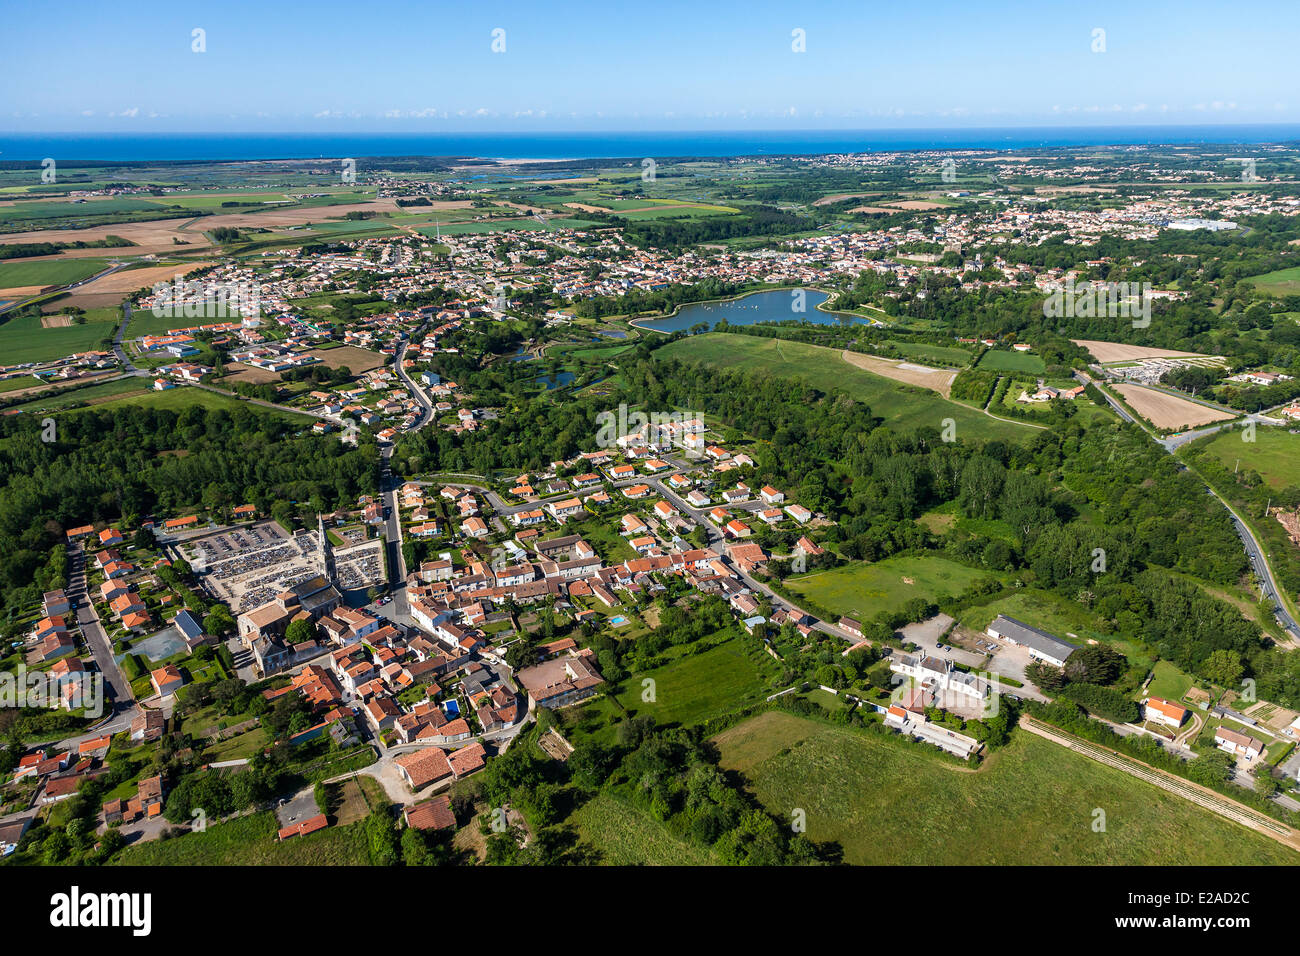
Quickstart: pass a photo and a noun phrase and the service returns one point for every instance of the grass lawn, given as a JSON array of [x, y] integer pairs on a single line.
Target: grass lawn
[[1169, 682], [692, 689], [609, 544], [19, 382], [901, 406], [251, 841], [997, 360], [861, 590], [624, 836], [1031, 802], [1274, 454], [239, 747]]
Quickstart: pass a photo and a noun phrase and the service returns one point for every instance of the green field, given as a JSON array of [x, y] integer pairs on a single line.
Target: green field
[[862, 590], [19, 382], [1032, 802], [624, 836], [1169, 682], [16, 273], [24, 339], [940, 354], [134, 390], [505, 225], [178, 399], [1274, 454], [1279, 283], [996, 360], [694, 688], [91, 393], [901, 406]]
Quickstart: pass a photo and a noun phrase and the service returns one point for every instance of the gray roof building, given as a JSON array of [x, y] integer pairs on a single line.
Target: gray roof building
[[1041, 644]]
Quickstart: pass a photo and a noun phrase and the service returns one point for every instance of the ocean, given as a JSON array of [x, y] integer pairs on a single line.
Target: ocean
[[130, 147]]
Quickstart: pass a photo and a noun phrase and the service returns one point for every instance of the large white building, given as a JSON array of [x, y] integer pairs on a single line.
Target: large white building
[[938, 676]]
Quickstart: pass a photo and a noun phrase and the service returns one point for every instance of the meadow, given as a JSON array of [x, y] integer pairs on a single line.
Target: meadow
[[1274, 454], [996, 360], [1279, 283], [624, 836], [250, 841], [887, 802], [901, 406], [939, 354], [24, 339], [694, 688], [862, 590]]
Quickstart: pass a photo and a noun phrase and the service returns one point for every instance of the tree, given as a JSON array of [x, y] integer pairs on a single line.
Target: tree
[[1223, 667], [381, 837], [300, 631], [219, 623]]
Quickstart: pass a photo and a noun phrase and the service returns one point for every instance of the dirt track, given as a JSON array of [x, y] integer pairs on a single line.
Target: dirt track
[[936, 379]]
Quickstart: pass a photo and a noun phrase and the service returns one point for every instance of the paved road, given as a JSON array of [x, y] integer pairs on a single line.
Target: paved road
[[1254, 552], [100, 646]]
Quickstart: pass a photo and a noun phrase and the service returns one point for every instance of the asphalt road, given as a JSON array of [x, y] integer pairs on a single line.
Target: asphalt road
[[1255, 553]]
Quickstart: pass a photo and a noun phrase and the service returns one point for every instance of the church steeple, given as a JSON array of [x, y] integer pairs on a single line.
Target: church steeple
[[326, 551]]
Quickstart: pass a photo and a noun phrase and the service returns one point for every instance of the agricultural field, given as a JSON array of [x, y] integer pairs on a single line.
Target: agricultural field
[[526, 224], [91, 394], [1169, 411], [19, 273], [863, 589], [900, 405], [888, 803], [1274, 454], [26, 339], [1108, 352], [935, 379], [999, 360]]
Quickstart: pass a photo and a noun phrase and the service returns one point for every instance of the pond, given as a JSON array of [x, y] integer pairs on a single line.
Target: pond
[[776, 306], [560, 378]]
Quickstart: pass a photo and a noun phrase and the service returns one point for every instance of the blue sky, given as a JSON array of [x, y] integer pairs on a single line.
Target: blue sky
[[329, 66]]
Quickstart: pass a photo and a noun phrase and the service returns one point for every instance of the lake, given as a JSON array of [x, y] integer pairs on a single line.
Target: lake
[[561, 378], [774, 306]]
